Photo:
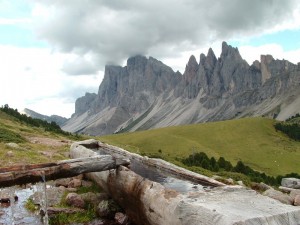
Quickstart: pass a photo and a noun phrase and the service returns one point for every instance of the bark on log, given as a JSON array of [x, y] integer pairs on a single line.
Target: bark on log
[[17, 175]]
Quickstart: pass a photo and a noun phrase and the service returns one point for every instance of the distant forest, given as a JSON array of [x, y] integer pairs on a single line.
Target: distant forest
[[200, 159], [290, 127]]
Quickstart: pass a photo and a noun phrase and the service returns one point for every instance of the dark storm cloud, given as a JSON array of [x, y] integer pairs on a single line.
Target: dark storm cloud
[[113, 30]]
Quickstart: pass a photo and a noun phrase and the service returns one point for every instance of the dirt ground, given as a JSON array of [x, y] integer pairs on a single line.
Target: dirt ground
[[49, 141]]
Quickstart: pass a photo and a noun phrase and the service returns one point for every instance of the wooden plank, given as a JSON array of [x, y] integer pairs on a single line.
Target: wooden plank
[[17, 175]]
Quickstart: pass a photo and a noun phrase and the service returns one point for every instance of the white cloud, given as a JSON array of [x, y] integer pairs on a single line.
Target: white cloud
[[115, 30], [32, 78], [86, 36], [252, 53]]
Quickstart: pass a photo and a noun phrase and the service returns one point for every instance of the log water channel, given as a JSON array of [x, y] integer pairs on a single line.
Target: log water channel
[[155, 192], [170, 181], [13, 198]]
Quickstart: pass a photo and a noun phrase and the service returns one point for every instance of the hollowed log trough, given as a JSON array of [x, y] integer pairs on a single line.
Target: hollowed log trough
[[150, 203], [22, 174]]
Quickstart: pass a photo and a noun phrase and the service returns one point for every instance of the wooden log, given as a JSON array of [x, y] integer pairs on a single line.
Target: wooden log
[[150, 203], [286, 189], [17, 175]]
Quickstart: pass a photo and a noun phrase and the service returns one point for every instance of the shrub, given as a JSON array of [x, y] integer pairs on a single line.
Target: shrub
[[237, 172], [10, 136]]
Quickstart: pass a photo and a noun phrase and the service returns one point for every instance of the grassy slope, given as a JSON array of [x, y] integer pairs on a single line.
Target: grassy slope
[[30, 152], [252, 140]]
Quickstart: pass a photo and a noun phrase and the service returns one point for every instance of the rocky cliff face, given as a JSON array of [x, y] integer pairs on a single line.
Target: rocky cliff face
[[147, 94], [84, 103]]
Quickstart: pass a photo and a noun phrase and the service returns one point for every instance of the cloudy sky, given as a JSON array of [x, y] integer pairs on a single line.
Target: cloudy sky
[[53, 51]]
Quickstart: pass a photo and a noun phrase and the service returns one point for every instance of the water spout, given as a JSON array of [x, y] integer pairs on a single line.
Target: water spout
[[44, 201], [12, 204]]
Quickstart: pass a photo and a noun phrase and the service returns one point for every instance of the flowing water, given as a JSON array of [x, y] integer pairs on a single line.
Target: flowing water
[[44, 201], [15, 213], [159, 176]]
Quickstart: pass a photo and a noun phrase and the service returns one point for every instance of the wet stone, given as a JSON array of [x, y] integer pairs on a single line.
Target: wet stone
[[74, 183], [107, 209], [5, 196], [121, 218], [54, 196], [75, 200], [94, 198], [62, 182], [85, 183]]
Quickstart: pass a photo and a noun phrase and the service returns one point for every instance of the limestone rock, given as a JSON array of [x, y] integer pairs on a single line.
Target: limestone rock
[[261, 187], [190, 79], [107, 209], [85, 183], [148, 94], [94, 198], [83, 104], [75, 200], [291, 182], [121, 218], [297, 200], [5, 196], [74, 183], [10, 154], [54, 196], [284, 198], [294, 192], [240, 182], [13, 146], [62, 182]]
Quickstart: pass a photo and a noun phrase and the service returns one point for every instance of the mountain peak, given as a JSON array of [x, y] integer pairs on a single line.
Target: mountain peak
[[228, 50], [211, 58], [148, 94], [192, 62], [137, 60]]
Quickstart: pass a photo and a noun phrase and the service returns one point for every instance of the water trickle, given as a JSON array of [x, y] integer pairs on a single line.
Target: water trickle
[[12, 205], [42, 189], [20, 214]]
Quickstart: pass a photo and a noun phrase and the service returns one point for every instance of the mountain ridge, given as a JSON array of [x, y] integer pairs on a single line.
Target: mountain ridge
[[59, 120], [148, 94]]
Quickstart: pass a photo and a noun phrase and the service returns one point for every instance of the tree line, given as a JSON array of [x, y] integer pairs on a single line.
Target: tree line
[[290, 128], [51, 127], [200, 159]]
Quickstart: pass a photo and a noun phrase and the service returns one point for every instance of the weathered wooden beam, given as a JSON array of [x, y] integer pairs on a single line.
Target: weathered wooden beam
[[17, 175]]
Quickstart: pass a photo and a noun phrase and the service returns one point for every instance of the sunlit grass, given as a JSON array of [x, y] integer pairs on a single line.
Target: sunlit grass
[[252, 140]]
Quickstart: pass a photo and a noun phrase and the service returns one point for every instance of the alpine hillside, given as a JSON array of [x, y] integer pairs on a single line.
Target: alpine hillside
[[148, 94]]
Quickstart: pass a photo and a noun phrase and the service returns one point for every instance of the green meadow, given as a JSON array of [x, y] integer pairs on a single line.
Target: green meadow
[[36, 145], [252, 140]]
